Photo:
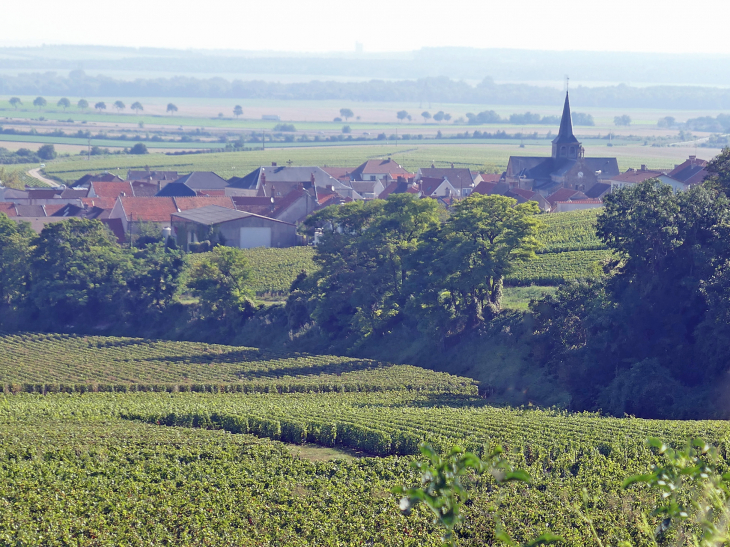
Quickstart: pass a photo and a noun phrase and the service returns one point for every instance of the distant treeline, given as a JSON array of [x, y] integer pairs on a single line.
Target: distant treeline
[[438, 90]]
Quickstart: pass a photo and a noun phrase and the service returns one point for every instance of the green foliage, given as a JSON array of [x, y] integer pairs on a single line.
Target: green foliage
[[443, 491], [78, 271], [16, 245], [47, 152], [156, 278], [63, 103], [83, 104], [221, 282], [139, 148], [40, 102], [695, 494]]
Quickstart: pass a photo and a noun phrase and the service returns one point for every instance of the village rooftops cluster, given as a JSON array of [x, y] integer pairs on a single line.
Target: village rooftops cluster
[[274, 199]]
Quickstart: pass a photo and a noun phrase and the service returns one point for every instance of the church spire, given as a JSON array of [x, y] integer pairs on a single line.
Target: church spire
[[565, 134], [565, 145]]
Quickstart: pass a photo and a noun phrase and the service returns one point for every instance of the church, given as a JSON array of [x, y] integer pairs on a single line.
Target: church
[[566, 168]]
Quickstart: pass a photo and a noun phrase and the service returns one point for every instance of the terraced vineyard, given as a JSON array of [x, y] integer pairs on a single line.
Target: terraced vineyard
[[275, 269], [52, 363]]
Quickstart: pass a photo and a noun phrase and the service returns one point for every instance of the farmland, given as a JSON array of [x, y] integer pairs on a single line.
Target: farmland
[[161, 468]]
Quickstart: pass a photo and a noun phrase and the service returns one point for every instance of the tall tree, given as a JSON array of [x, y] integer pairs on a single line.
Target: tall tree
[[171, 108], [83, 104], [100, 106], [402, 115], [156, 277], [137, 107], [237, 110], [78, 272], [63, 103], [15, 101], [40, 102], [346, 113], [426, 116], [221, 282], [16, 245], [119, 105]]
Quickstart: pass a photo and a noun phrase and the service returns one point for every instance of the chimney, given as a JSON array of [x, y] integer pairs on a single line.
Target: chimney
[[643, 167], [263, 177], [692, 160], [273, 164], [452, 165]]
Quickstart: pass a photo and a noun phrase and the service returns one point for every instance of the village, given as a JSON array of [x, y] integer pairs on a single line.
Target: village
[[265, 207]]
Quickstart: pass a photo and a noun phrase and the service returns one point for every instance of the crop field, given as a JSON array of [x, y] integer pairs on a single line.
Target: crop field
[[62, 363], [212, 468], [487, 157]]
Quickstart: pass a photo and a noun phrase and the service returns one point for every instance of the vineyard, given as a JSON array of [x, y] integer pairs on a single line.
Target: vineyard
[[193, 468], [61, 363]]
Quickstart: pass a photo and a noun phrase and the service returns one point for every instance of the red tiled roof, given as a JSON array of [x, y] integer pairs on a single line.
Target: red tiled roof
[[112, 189], [339, 173], [589, 201], [564, 194], [8, 209], [389, 190], [187, 203], [102, 203], [54, 208], [637, 175], [144, 189], [388, 166], [527, 194], [116, 227], [212, 193], [148, 209], [491, 177]]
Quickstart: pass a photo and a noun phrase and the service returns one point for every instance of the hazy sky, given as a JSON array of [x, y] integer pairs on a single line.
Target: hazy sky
[[674, 26]]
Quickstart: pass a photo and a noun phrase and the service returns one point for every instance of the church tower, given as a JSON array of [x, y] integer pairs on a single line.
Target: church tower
[[565, 145]]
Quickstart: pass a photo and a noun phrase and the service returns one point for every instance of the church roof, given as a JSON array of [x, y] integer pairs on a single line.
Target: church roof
[[565, 134]]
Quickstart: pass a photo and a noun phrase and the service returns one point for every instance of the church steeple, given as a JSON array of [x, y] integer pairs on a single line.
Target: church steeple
[[565, 145]]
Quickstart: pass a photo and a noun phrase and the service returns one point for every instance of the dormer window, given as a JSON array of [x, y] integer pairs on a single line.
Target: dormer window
[[572, 151], [562, 151]]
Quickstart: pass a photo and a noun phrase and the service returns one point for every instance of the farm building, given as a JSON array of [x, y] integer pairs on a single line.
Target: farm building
[[231, 228]]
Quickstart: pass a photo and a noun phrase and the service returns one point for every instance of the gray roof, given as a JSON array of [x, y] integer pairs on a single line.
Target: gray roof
[[152, 175], [565, 133], [535, 168], [176, 189], [458, 177], [203, 180], [215, 214]]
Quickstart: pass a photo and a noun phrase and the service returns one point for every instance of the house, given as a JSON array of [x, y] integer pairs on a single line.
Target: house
[[598, 190], [232, 228], [104, 189], [567, 167], [133, 211], [176, 189], [401, 186], [434, 187], [202, 181], [463, 179], [343, 174], [278, 181], [564, 195], [379, 170], [690, 172], [155, 177], [633, 176], [368, 189], [87, 179]]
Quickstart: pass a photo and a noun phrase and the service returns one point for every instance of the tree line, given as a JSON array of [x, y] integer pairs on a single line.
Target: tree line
[[75, 274], [432, 89]]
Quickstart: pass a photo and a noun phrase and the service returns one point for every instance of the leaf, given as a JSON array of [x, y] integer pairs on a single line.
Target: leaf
[[628, 481], [517, 475], [544, 539]]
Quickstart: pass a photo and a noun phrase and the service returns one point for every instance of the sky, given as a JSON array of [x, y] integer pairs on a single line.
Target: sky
[[669, 26]]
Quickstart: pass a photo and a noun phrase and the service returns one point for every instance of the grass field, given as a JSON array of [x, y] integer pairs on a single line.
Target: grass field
[[176, 468], [412, 155]]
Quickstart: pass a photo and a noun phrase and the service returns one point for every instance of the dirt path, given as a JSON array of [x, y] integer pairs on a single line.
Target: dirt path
[[36, 174]]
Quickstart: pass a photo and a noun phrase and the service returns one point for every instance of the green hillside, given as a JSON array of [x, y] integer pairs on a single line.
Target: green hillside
[[172, 468]]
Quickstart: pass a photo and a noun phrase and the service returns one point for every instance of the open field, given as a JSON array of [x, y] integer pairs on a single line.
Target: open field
[[412, 155]]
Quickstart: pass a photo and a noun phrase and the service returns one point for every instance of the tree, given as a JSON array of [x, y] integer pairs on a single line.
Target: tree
[[426, 116], [63, 103], [156, 277], [666, 121], [221, 283], [467, 258], [119, 105], [171, 108], [580, 118], [346, 129], [137, 107], [139, 148], [402, 115], [47, 152], [83, 104], [439, 116], [346, 113], [100, 106], [237, 111], [16, 245], [15, 101], [447, 117], [40, 102], [77, 272], [624, 120]]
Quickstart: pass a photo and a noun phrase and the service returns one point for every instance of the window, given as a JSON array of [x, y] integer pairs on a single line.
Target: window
[[572, 151], [562, 151]]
